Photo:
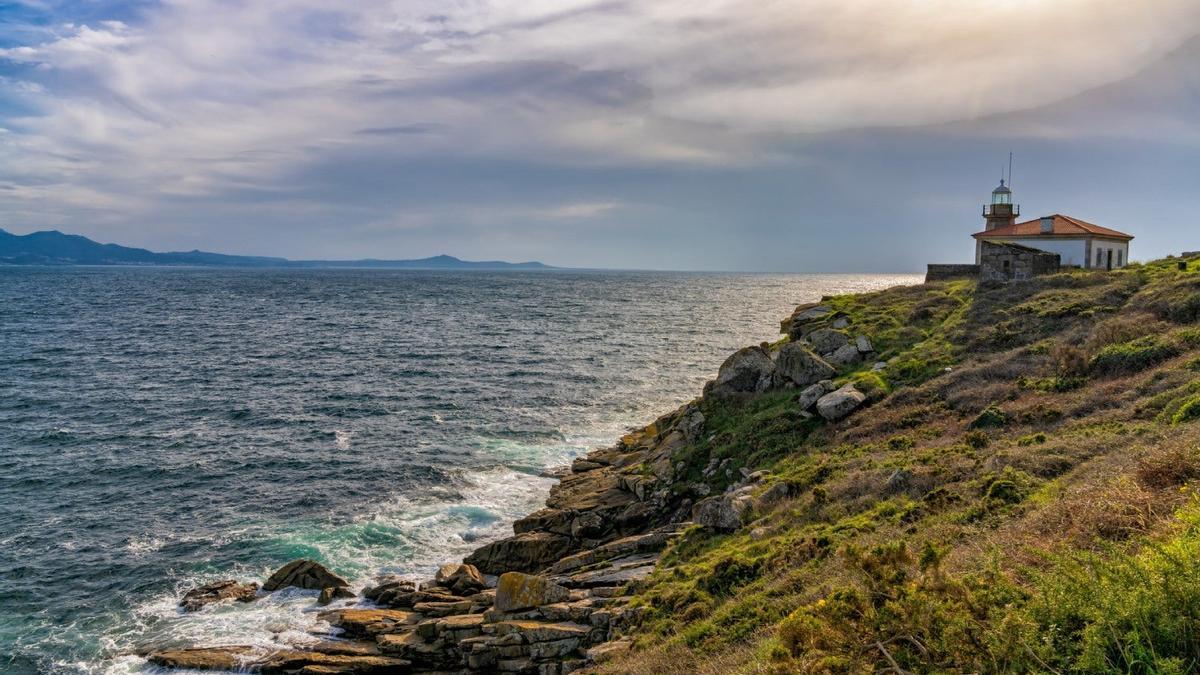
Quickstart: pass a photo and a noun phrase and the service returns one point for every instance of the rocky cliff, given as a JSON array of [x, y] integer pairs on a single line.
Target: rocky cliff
[[831, 502]]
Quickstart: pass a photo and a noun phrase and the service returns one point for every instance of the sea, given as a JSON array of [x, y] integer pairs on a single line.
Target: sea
[[165, 427]]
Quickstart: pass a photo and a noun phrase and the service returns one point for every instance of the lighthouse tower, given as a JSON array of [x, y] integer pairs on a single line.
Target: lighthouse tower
[[1001, 211]]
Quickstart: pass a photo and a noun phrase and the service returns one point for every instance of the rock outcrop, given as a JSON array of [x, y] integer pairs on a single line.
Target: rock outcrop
[[308, 574], [218, 591]]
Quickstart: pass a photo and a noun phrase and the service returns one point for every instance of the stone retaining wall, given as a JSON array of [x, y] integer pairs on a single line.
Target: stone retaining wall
[[942, 272]]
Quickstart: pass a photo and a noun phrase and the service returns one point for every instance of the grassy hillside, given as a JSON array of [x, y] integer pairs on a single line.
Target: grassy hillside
[[1019, 496]]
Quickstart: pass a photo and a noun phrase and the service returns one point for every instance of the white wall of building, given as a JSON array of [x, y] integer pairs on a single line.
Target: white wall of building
[[1120, 254], [1074, 251]]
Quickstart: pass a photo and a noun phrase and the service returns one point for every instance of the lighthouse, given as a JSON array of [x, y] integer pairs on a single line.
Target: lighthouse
[[1001, 212]]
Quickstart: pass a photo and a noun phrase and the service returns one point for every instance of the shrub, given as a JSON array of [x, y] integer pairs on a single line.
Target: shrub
[[1032, 439], [1069, 360], [990, 417], [1188, 411], [1122, 329], [1133, 356], [1168, 469], [976, 439], [872, 385]]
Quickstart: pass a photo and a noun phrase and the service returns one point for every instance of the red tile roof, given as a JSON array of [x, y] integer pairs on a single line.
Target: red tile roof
[[1064, 226]]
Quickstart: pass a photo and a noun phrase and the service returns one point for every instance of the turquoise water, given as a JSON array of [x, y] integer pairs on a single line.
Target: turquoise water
[[164, 427]]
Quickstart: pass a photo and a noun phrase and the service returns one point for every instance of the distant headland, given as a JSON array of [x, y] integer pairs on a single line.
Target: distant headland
[[56, 248]]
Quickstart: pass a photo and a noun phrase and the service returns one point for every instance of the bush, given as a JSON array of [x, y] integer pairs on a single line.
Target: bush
[[1133, 356], [976, 439], [990, 417], [1069, 360], [1032, 439], [1188, 411]]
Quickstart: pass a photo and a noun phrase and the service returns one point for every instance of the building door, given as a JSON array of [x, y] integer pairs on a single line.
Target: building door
[[1109, 265]]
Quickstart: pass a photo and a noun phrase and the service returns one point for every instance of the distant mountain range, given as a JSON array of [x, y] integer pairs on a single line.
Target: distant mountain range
[[55, 248]]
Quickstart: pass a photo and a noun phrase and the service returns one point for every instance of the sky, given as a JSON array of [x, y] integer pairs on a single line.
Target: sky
[[802, 136]]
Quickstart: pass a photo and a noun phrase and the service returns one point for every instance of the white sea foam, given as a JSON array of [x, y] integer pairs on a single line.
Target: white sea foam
[[342, 439], [409, 534]]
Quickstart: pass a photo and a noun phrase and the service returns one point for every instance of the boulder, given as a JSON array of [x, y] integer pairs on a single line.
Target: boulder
[[331, 593], [810, 313], [809, 395], [746, 370], [217, 591], [836, 405], [308, 574], [523, 591], [863, 343], [461, 579], [722, 512], [388, 586], [844, 355], [797, 364], [526, 552], [827, 340], [841, 322]]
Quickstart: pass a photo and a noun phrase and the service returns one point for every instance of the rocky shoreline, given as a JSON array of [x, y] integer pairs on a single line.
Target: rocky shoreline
[[554, 597]]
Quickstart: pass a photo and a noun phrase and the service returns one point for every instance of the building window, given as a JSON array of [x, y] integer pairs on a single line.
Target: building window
[[1119, 257], [1099, 257]]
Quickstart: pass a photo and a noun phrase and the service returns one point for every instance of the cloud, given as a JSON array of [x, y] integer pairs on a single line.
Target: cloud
[[124, 116]]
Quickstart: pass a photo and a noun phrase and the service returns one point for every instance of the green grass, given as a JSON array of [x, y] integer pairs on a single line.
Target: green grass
[[1035, 535], [1132, 356]]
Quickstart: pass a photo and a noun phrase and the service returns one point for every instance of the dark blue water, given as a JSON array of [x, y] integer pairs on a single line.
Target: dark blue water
[[164, 427]]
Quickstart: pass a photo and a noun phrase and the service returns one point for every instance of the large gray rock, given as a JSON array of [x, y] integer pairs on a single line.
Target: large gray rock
[[811, 313], [218, 591], [864, 344], [810, 395], [827, 340], [836, 405], [308, 574], [521, 591], [797, 364], [722, 512], [844, 355], [746, 370]]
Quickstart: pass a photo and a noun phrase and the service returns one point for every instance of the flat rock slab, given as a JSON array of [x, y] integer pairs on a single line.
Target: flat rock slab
[[612, 576], [367, 623], [540, 631], [203, 658], [278, 663]]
